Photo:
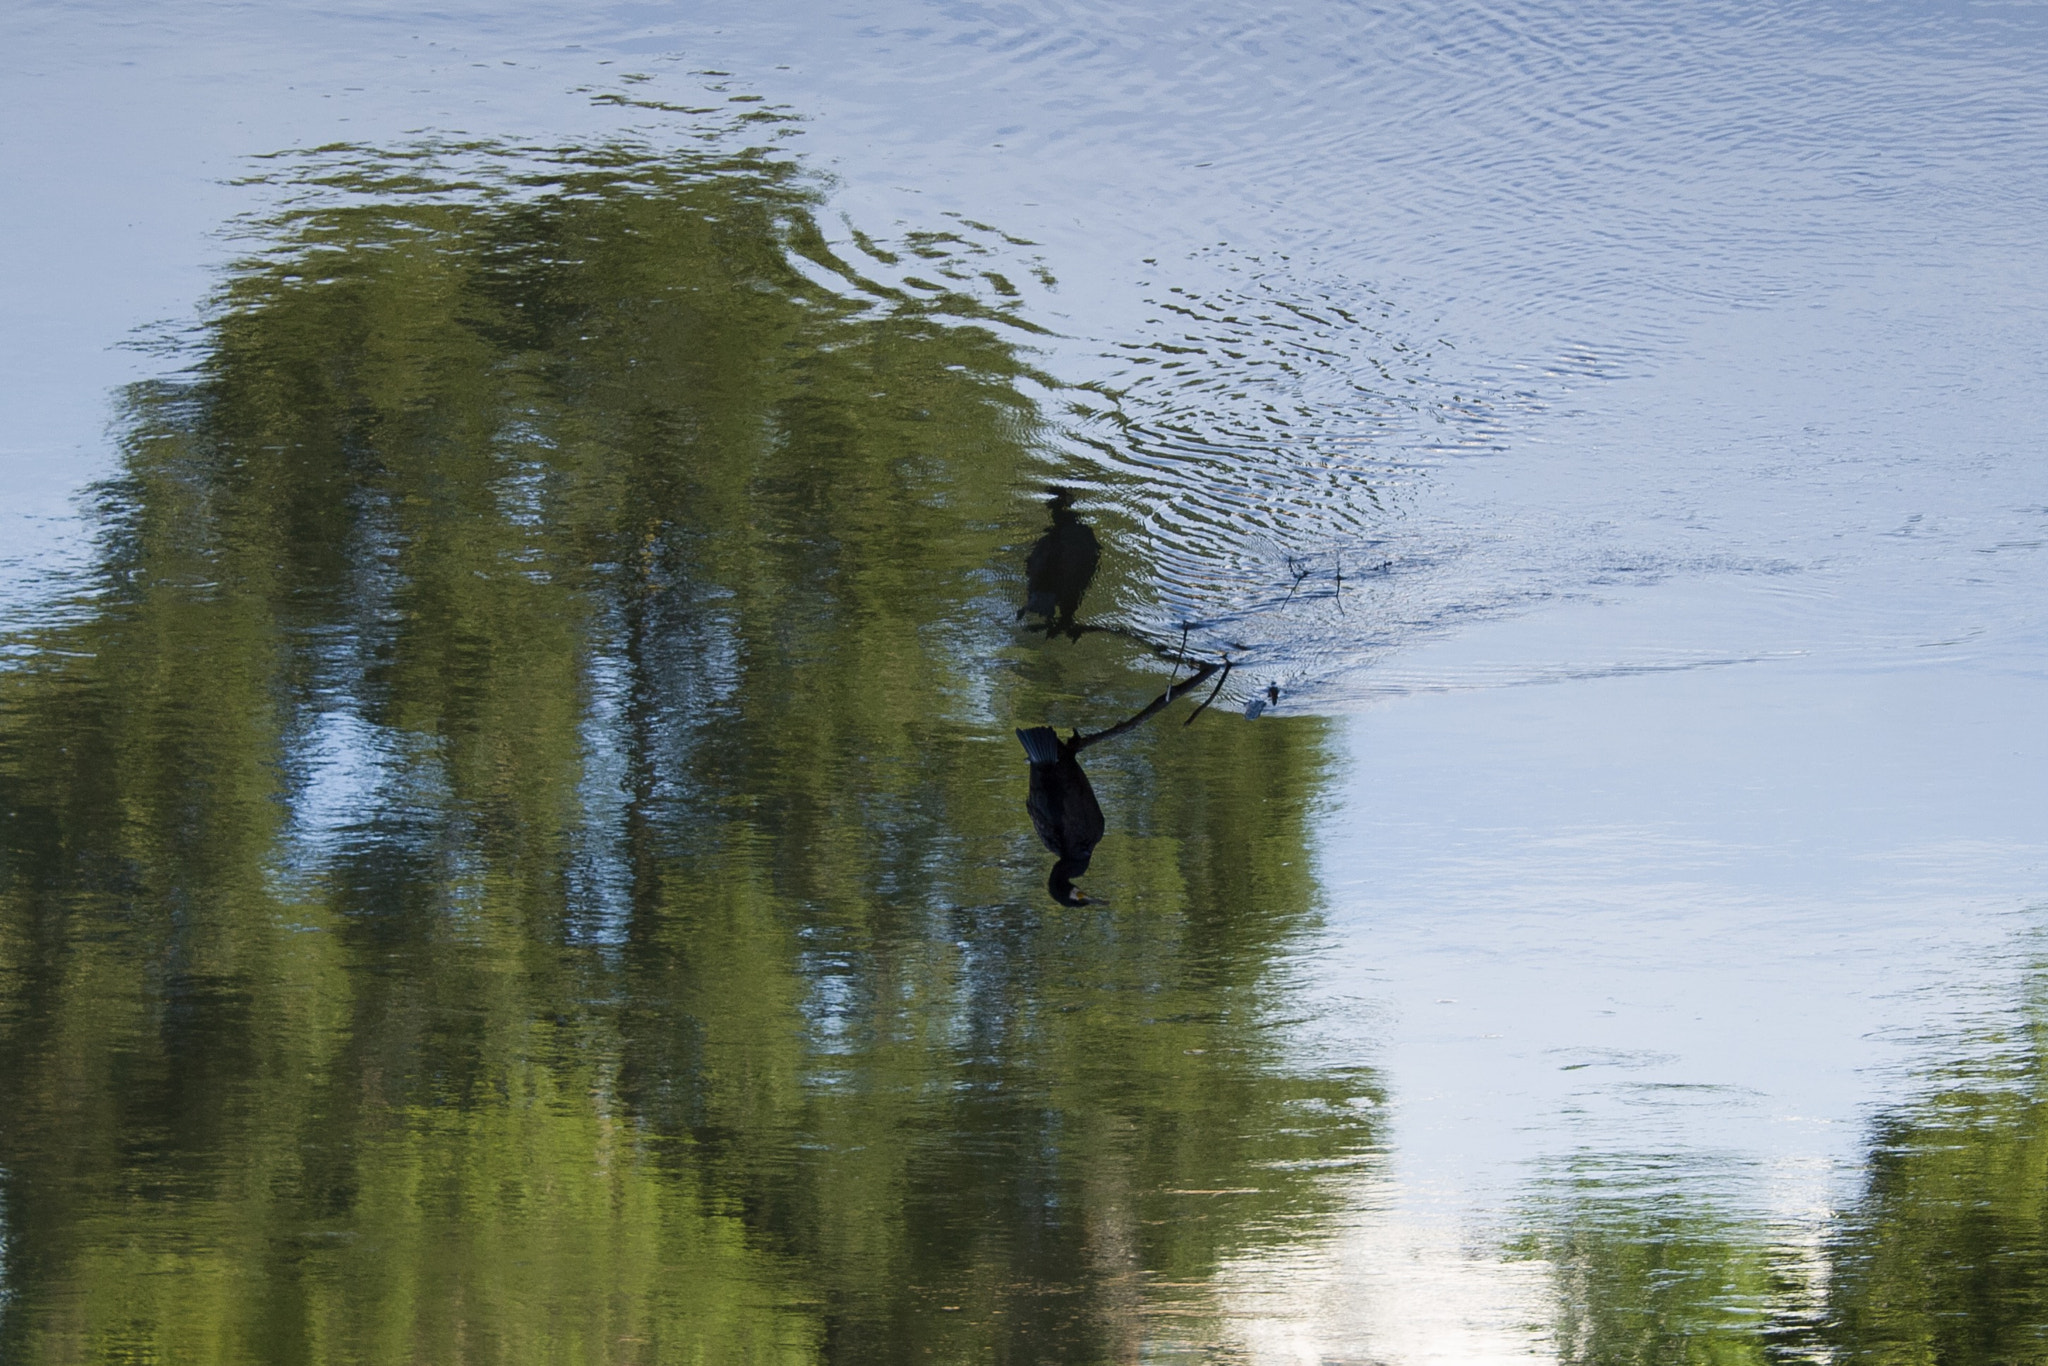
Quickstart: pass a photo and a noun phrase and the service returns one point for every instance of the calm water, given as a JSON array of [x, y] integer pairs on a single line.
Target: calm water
[[528, 543]]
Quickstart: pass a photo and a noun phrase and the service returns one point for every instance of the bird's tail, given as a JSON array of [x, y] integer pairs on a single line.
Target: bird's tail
[[1041, 744]]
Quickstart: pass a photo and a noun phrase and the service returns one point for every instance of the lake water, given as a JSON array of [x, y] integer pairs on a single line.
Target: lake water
[[526, 541]]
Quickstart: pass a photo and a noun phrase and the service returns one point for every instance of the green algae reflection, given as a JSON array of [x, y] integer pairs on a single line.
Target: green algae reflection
[[517, 855]]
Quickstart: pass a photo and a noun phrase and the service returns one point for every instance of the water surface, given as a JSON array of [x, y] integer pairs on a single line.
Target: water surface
[[515, 836]]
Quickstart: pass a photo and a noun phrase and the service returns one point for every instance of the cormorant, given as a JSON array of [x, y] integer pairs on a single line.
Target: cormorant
[[1061, 802], [1060, 567], [1063, 808]]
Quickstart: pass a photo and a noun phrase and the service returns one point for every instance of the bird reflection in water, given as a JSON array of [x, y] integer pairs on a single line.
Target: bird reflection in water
[[1061, 801], [1059, 569]]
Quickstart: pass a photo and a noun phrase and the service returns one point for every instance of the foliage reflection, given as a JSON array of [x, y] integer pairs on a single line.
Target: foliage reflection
[[520, 856], [1944, 1257], [1941, 1257]]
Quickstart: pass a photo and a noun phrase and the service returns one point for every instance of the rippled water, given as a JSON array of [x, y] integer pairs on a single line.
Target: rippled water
[[515, 845]]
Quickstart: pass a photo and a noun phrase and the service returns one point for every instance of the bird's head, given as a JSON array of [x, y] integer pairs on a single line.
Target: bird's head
[[1061, 883]]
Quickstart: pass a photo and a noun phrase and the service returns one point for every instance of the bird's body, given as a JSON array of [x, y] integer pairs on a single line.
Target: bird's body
[[1060, 567], [1063, 809]]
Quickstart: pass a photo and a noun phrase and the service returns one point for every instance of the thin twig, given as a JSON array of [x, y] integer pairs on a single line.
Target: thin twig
[[1211, 697], [1300, 572], [1158, 704]]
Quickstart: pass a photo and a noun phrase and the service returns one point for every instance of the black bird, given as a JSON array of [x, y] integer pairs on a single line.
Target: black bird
[[1060, 567], [1063, 808], [1061, 802]]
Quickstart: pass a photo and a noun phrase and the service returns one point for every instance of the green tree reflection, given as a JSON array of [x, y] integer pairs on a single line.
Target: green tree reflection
[[1944, 1258], [1647, 1272], [1941, 1259], [519, 856]]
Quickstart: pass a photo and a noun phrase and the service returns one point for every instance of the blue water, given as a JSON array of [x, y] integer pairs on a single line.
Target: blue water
[[1630, 422]]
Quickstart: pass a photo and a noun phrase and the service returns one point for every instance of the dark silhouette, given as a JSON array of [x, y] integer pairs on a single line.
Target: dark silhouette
[[1063, 809], [1061, 801], [1060, 567]]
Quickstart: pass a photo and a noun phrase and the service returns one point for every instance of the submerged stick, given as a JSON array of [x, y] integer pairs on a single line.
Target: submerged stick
[[1157, 705], [1180, 654], [1211, 697]]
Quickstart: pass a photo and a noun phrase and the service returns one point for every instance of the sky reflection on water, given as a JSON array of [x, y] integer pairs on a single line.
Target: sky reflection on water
[[1616, 433]]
